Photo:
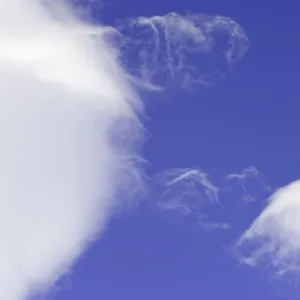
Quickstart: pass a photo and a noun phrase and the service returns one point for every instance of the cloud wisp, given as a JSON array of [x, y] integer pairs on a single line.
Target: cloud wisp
[[194, 195], [249, 185], [181, 50], [70, 129]]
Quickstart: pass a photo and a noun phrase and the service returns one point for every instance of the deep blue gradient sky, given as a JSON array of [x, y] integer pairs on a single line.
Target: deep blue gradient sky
[[251, 118]]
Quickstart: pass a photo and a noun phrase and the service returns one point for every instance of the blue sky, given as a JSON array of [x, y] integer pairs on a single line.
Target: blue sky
[[130, 169], [249, 119]]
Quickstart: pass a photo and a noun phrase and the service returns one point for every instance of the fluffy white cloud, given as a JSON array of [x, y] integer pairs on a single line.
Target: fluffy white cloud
[[66, 106], [274, 237]]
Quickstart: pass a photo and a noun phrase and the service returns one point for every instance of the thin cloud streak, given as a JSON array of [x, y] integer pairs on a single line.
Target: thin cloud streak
[[196, 196]]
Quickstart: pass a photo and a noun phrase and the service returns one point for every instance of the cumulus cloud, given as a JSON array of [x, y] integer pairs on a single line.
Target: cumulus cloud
[[273, 239], [66, 106], [188, 51], [206, 199]]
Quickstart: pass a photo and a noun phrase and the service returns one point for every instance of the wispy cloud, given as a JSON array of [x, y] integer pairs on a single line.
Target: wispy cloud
[[195, 195], [181, 50], [249, 185], [245, 173]]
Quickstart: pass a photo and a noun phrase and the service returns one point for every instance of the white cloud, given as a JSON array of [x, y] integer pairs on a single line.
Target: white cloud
[[190, 50], [274, 237], [194, 194], [66, 106], [191, 193], [251, 171], [249, 185]]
